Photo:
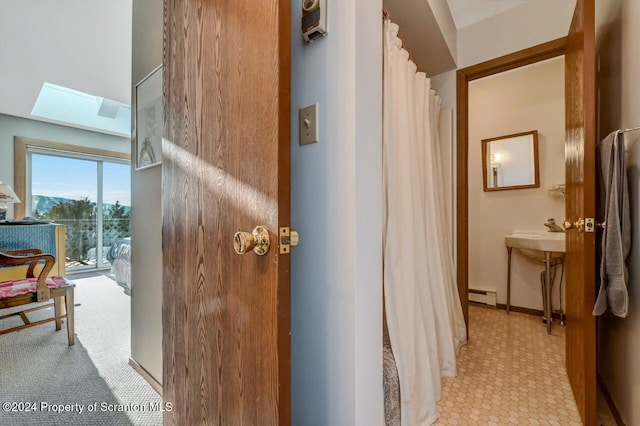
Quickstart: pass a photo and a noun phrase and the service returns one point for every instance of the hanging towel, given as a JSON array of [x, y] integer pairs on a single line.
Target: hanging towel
[[616, 238]]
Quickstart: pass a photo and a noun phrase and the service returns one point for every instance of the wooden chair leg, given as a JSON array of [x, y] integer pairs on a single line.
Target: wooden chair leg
[[69, 302], [57, 308]]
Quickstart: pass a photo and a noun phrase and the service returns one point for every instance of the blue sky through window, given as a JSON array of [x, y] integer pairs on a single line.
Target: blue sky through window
[[73, 179], [116, 184]]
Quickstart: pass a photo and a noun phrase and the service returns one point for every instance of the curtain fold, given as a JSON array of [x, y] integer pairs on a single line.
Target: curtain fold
[[424, 316]]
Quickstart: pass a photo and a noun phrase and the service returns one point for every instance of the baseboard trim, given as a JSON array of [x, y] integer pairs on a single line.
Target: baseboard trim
[[145, 375], [610, 402], [483, 297]]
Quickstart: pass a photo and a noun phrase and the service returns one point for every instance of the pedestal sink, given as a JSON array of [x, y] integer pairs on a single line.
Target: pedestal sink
[[543, 246], [534, 244]]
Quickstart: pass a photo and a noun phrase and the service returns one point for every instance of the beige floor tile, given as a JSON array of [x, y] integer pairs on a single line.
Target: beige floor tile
[[511, 372]]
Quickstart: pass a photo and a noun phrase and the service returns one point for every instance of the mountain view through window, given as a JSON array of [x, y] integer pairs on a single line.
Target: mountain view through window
[[91, 197]]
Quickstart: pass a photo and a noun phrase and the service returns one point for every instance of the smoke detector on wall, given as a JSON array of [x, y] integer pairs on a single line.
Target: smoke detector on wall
[[314, 19]]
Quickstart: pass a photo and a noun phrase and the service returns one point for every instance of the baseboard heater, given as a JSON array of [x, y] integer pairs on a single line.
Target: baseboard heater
[[483, 297]]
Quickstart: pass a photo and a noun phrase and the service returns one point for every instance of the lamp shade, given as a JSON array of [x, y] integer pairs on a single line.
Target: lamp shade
[[7, 195]]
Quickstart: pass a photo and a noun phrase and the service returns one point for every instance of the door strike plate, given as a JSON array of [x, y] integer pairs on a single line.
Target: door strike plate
[[589, 224]]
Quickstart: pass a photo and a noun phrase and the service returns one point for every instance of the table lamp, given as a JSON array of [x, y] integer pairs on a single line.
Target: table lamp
[[6, 196]]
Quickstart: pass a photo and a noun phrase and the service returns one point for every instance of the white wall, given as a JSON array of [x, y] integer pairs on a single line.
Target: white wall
[[619, 346], [146, 212], [11, 126], [445, 86], [528, 98], [446, 25], [523, 26], [336, 189]]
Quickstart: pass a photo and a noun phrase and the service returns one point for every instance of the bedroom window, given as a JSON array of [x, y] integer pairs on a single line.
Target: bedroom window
[[89, 194]]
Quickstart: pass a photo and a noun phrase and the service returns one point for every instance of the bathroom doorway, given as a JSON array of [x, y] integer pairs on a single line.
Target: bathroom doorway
[[526, 101], [580, 342]]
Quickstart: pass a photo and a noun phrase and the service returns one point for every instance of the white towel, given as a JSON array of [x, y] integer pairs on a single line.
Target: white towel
[[616, 238]]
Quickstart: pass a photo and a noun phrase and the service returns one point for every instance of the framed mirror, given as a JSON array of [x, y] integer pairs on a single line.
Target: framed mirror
[[510, 162]]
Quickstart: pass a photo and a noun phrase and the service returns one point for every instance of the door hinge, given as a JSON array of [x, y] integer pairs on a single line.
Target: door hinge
[[288, 238]]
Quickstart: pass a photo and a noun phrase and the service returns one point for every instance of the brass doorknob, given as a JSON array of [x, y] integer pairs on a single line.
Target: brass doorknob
[[579, 225], [258, 241]]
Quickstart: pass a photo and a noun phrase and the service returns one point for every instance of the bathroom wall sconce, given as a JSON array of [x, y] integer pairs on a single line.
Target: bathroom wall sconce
[[6, 196]]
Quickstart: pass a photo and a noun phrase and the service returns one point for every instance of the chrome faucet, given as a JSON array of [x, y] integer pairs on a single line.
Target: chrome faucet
[[553, 226]]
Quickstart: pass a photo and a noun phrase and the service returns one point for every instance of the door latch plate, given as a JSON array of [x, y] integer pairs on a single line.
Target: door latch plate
[[288, 238], [285, 240]]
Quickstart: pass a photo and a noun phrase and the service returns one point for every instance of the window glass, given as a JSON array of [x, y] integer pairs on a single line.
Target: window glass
[[116, 207], [67, 191]]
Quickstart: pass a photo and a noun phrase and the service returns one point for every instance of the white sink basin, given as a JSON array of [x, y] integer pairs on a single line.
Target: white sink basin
[[535, 244]]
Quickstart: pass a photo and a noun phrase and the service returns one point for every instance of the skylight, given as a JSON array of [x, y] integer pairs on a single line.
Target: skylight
[[82, 109]]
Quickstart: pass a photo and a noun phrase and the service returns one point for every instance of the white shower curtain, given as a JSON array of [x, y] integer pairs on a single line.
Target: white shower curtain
[[424, 316]]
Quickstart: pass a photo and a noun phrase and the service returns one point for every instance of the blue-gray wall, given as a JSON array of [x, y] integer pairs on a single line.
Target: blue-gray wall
[[336, 190]]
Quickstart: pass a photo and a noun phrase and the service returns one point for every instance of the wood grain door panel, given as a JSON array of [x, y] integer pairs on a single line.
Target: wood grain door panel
[[225, 168], [580, 151]]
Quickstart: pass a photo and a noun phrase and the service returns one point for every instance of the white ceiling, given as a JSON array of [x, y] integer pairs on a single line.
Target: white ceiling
[[467, 12], [84, 45]]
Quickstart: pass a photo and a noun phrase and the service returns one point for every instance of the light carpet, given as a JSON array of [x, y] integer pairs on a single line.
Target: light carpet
[[39, 373]]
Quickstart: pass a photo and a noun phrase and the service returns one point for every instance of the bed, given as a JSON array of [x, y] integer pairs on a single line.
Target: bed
[[119, 255]]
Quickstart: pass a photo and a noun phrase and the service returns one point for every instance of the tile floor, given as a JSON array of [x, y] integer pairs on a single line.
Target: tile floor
[[510, 372]]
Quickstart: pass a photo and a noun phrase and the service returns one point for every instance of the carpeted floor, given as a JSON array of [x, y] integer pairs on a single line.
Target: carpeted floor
[[39, 372]]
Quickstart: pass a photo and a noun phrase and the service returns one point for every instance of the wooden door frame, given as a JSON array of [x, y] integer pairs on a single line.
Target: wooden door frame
[[508, 62]]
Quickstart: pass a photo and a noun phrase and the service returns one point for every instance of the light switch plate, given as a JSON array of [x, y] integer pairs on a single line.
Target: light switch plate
[[309, 124]]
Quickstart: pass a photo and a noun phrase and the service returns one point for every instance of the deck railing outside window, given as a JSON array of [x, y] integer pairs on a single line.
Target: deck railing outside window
[[82, 242]]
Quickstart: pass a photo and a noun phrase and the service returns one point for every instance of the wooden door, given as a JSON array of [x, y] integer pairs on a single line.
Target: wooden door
[[580, 151], [226, 317]]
